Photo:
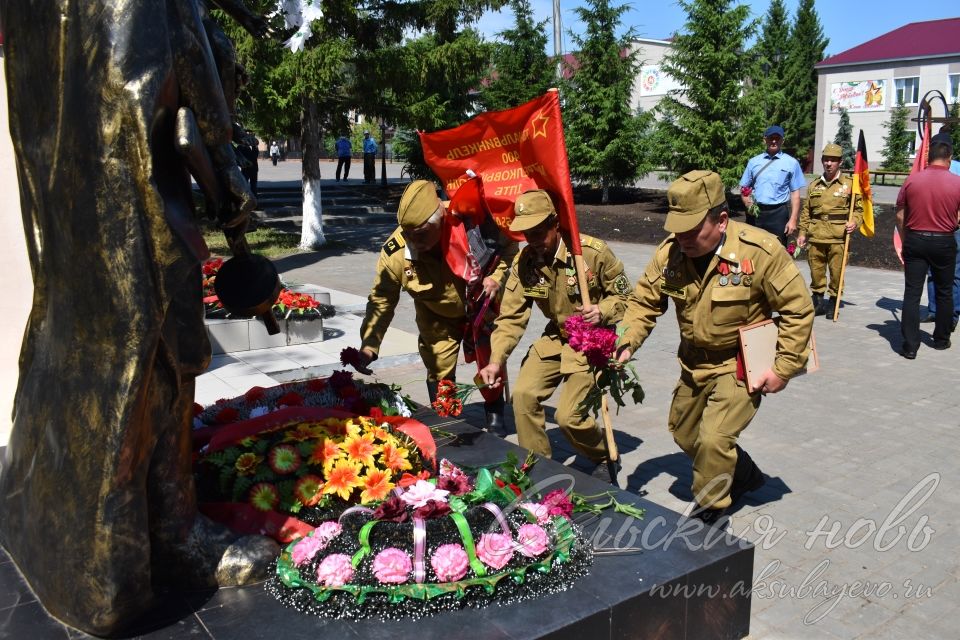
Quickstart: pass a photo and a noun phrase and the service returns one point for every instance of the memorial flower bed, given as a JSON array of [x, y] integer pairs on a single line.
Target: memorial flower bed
[[290, 305]]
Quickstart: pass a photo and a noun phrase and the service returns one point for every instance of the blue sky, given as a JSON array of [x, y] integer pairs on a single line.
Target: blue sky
[[844, 24]]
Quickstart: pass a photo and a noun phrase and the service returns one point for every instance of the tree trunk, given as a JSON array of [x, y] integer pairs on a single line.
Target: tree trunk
[[311, 233], [605, 193]]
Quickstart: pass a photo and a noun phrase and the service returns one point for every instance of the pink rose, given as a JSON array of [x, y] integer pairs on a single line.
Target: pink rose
[[495, 550], [305, 549], [335, 570], [327, 531], [392, 566], [450, 562], [532, 540], [537, 510]]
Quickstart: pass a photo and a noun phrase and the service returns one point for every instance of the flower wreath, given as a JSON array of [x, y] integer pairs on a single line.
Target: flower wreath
[[452, 542]]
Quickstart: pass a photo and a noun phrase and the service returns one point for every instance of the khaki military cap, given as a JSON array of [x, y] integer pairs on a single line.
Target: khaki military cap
[[418, 202], [530, 209], [690, 197], [832, 151]]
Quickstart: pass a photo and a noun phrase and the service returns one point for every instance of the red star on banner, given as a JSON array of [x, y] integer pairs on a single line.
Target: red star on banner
[[539, 124]]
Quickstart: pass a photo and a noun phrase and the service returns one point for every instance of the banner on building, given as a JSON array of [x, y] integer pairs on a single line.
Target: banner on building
[[863, 95], [654, 81]]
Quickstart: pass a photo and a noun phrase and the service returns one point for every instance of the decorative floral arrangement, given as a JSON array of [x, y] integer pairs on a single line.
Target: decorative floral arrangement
[[322, 464], [289, 305], [450, 542], [753, 209], [338, 390], [598, 344]]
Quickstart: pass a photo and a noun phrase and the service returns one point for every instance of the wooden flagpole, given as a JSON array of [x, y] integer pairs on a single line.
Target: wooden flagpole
[[846, 248]]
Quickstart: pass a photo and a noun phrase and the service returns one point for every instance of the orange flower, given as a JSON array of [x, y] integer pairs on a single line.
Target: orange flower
[[395, 458], [325, 453], [376, 485], [360, 448], [303, 431], [343, 478]]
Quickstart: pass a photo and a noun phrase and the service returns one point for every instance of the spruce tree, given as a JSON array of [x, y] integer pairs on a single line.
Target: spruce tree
[[521, 69], [710, 123], [806, 46], [604, 136], [844, 138], [771, 57], [897, 141], [955, 128]]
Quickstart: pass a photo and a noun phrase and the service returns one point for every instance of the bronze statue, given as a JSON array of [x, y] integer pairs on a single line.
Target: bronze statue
[[97, 502]]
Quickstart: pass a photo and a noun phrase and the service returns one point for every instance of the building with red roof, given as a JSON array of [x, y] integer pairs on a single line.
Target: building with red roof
[[871, 78]]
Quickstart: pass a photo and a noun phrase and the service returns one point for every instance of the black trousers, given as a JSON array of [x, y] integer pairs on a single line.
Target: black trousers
[[343, 162], [369, 167], [939, 255], [773, 220]]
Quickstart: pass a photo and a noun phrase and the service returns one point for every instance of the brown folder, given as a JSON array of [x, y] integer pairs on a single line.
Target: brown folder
[[758, 346]]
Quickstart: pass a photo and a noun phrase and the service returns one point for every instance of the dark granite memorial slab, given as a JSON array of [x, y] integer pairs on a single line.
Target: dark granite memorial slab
[[685, 582]]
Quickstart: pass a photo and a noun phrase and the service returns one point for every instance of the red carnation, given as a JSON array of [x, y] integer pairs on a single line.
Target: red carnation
[[290, 399], [226, 415], [253, 394], [316, 384]]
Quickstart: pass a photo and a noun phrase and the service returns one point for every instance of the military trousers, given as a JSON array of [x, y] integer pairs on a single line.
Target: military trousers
[[439, 346], [546, 366], [820, 257], [705, 422]]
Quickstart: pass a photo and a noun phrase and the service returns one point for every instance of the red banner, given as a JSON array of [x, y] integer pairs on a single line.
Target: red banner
[[512, 151]]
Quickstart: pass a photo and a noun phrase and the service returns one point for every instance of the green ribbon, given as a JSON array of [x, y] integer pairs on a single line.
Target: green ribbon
[[468, 544], [364, 539]]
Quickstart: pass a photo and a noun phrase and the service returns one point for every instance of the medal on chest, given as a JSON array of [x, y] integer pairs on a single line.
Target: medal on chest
[[747, 265], [724, 269]]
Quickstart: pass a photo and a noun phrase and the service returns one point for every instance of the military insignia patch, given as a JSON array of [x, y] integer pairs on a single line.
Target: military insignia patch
[[621, 284], [391, 246]]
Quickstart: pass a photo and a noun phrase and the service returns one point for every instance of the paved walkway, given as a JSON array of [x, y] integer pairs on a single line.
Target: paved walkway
[[857, 528]]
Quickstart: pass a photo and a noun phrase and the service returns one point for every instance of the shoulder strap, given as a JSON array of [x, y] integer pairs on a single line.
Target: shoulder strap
[[757, 174]]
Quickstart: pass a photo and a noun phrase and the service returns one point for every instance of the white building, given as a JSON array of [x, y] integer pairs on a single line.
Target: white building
[[652, 82], [869, 79]]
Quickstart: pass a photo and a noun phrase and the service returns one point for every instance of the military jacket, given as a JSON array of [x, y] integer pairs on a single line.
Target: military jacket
[[553, 288], [438, 295], [749, 278], [824, 214]]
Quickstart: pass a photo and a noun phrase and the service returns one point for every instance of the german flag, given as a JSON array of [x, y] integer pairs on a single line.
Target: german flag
[[861, 186]]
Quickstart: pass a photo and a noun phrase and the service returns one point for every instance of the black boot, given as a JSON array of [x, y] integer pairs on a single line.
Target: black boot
[[747, 476], [828, 307], [495, 421], [432, 390], [818, 308]]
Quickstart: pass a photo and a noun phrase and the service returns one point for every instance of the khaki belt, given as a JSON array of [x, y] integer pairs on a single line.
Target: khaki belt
[[833, 216]]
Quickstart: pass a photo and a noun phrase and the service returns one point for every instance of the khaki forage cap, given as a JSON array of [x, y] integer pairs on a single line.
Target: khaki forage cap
[[530, 209], [418, 202], [832, 150], [690, 197]]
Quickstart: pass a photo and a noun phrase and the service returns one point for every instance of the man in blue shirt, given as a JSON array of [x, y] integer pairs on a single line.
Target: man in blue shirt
[[369, 158], [931, 298], [344, 149], [772, 181]]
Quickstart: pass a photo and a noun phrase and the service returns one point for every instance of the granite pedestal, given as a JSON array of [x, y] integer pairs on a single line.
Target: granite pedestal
[[674, 579]]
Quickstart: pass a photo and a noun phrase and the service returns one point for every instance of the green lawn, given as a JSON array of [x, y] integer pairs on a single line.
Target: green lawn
[[265, 241]]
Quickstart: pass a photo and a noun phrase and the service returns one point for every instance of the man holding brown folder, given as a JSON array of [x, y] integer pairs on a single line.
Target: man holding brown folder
[[721, 276]]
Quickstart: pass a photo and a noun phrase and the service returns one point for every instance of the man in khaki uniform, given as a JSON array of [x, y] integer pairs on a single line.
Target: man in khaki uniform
[[720, 275], [543, 274], [412, 260], [824, 226]]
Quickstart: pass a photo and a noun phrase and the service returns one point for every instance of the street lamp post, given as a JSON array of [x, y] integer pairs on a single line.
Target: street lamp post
[[383, 153]]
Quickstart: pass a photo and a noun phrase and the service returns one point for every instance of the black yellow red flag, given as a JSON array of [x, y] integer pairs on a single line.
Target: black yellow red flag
[[861, 187]]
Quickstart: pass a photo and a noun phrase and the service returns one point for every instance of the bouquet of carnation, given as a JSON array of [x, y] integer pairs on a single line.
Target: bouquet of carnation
[[753, 209], [451, 396], [598, 345], [795, 250], [339, 391]]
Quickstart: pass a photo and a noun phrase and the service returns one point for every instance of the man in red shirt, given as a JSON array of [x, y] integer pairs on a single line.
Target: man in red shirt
[[927, 209]]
